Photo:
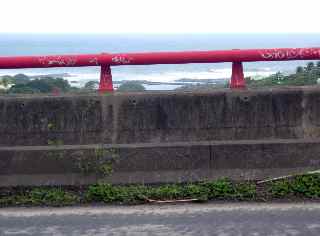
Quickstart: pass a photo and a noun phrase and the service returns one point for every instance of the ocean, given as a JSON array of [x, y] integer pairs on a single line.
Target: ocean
[[44, 44]]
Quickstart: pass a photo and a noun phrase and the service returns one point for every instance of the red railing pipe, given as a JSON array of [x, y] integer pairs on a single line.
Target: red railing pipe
[[105, 60]]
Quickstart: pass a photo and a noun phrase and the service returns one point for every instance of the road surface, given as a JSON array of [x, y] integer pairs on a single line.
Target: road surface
[[185, 219]]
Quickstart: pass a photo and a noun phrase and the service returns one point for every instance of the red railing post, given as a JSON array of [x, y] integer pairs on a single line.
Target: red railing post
[[105, 84], [237, 77]]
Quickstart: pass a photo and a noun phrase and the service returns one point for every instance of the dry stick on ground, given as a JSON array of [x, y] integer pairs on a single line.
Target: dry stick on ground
[[172, 201], [288, 176]]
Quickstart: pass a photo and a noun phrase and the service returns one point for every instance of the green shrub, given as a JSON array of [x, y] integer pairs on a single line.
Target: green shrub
[[198, 191], [108, 193], [44, 196], [307, 185], [304, 185], [166, 192], [131, 86], [221, 188], [300, 186], [280, 188], [245, 191]]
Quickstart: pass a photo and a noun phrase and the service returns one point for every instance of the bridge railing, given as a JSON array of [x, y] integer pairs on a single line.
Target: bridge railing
[[106, 60]]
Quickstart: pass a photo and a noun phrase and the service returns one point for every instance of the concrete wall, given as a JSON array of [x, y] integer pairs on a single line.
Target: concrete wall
[[155, 163], [158, 137]]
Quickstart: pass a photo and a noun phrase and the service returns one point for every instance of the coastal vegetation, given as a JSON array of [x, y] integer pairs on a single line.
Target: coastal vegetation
[[43, 85], [91, 85], [20, 83], [308, 75], [131, 86], [24, 84]]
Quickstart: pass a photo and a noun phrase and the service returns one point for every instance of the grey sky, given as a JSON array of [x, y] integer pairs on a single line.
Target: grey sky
[[159, 16]]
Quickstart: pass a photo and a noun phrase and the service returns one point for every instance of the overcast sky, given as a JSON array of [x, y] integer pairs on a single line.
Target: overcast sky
[[159, 16]]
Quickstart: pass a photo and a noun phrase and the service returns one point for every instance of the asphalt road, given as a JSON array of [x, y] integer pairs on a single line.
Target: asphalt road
[[188, 219]]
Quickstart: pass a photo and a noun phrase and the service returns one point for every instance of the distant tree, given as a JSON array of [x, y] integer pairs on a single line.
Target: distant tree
[[21, 76], [299, 69], [44, 85], [131, 86], [20, 79], [310, 66], [8, 78], [22, 88], [308, 75], [60, 83], [5, 81], [91, 85], [279, 75]]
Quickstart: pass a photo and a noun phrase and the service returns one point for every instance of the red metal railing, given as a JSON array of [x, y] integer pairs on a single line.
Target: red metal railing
[[106, 60]]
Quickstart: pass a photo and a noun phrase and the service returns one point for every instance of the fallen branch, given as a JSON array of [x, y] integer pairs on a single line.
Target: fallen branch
[[288, 176], [172, 201]]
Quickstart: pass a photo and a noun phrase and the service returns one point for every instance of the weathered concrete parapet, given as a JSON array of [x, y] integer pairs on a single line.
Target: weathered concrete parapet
[[158, 137], [160, 117], [156, 163]]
